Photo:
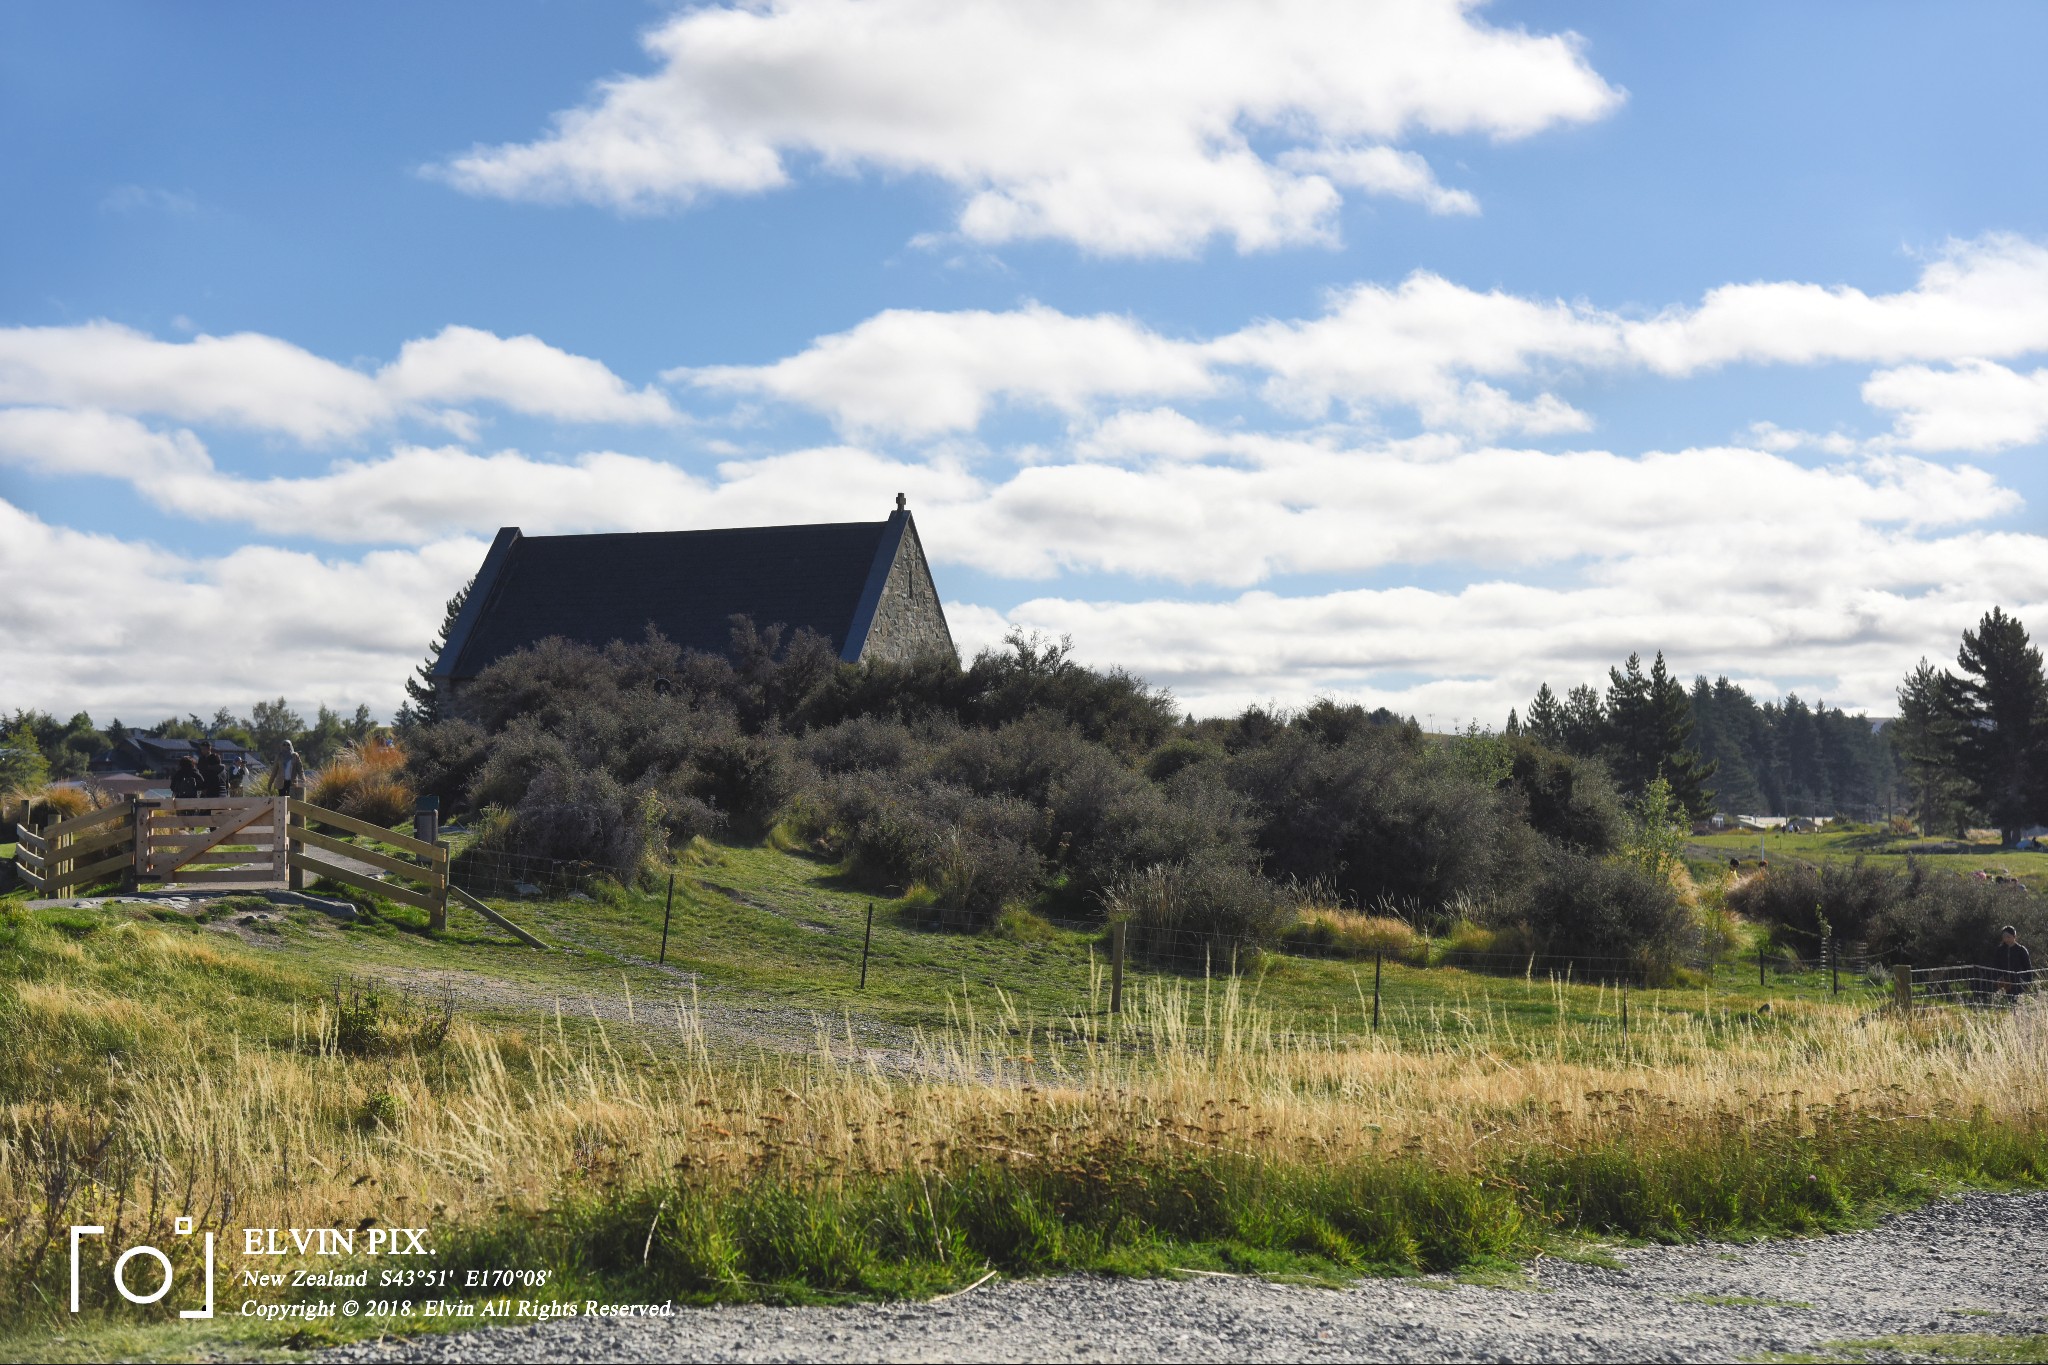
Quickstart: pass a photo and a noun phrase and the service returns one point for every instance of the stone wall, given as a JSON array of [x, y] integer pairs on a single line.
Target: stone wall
[[909, 622]]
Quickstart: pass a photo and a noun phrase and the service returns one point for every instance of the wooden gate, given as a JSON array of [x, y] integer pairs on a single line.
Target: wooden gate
[[242, 843], [234, 842]]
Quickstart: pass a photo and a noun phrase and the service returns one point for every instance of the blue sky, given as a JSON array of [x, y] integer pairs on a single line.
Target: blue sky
[[1414, 356]]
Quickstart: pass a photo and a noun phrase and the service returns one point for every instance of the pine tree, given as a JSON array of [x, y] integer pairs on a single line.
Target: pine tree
[[2001, 703], [423, 704], [1546, 719], [1678, 760], [1585, 724], [1924, 738], [1632, 748], [1514, 723]]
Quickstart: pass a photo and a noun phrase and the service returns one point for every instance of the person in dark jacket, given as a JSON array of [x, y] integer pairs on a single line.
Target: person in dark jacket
[[185, 779], [2012, 965], [213, 776]]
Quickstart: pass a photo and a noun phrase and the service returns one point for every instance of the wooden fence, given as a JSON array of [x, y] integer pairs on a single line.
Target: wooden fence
[[239, 843]]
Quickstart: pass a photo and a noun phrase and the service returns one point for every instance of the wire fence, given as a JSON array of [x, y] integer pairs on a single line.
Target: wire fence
[[1973, 987], [1839, 969]]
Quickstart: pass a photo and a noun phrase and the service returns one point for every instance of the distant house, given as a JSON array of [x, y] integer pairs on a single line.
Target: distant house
[[1760, 822], [865, 586], [146, 755]]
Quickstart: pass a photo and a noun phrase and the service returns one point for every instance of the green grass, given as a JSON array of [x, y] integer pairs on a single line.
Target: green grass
[[774, 940], [1878, 847]]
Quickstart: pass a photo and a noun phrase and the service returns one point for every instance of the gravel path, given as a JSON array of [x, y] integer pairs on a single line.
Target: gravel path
[[1975, 1265]]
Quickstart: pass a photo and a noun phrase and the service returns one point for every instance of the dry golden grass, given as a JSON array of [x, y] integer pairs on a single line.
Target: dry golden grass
[[304, 1135], [1349, 933], [366, 781]]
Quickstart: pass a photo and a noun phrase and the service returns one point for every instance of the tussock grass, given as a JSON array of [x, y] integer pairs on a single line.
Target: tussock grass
[[366, 781], [1348, 933], [1192, 1130]]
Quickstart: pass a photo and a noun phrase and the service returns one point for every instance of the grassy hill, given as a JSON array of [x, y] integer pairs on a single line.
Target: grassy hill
[[743, 1120]]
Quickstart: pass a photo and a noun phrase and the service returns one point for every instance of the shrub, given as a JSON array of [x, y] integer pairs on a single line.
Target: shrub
[[1198, 912], [1942, 920], [579, 816], [1347, 933], [1795, 898], [1382, 818], [1496, 948], [61, 803], [366, 781], [1608, 916], [973, 854]]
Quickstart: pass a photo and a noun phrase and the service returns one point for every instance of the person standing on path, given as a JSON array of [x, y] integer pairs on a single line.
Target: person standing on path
[[291, 770], [213, 779], [185, 779], [2012, 965]]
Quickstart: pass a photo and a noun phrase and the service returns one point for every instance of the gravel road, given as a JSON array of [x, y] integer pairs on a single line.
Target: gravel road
[[1975, 1265]]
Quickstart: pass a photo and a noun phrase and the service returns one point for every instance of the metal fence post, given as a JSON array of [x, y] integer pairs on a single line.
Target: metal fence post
[[866, 939], [662, 961]]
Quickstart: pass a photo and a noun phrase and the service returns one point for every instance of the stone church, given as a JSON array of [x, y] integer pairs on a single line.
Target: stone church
[[863, 585]]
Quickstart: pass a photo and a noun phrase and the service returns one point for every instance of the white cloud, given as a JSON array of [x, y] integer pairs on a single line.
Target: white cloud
[[127, 629], [1473, 652], [1449, 353], [246, 380], [87, 441], [260, 382], [523, 373], [1847, 572], [1383, 170], [1985, 297], [1974, 405], [921, 373], [1124, 128]]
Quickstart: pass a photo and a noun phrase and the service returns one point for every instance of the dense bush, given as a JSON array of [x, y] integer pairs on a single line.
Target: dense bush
[[1595, 911], [1805, 903], [1195, 914], [1927, 917], [1383, 817], [1026, 780], [1949, 921]]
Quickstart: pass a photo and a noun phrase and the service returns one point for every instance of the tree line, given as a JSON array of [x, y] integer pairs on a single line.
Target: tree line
[[1968, 747], [37, 747]]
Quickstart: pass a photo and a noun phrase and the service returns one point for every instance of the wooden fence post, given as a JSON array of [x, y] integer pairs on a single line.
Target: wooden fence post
[[1116, 967], [138, 835], [1902, 986], [1376, 956], [294, 822], [426, 827]]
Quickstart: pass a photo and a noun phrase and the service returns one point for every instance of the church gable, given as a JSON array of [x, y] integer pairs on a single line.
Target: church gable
[[908, 621]]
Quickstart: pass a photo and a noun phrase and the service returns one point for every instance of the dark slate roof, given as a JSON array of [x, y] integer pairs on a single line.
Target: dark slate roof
[[163, 753], [687, 584]]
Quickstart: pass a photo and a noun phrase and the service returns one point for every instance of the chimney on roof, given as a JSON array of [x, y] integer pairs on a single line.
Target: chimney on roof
[[901, 502]]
